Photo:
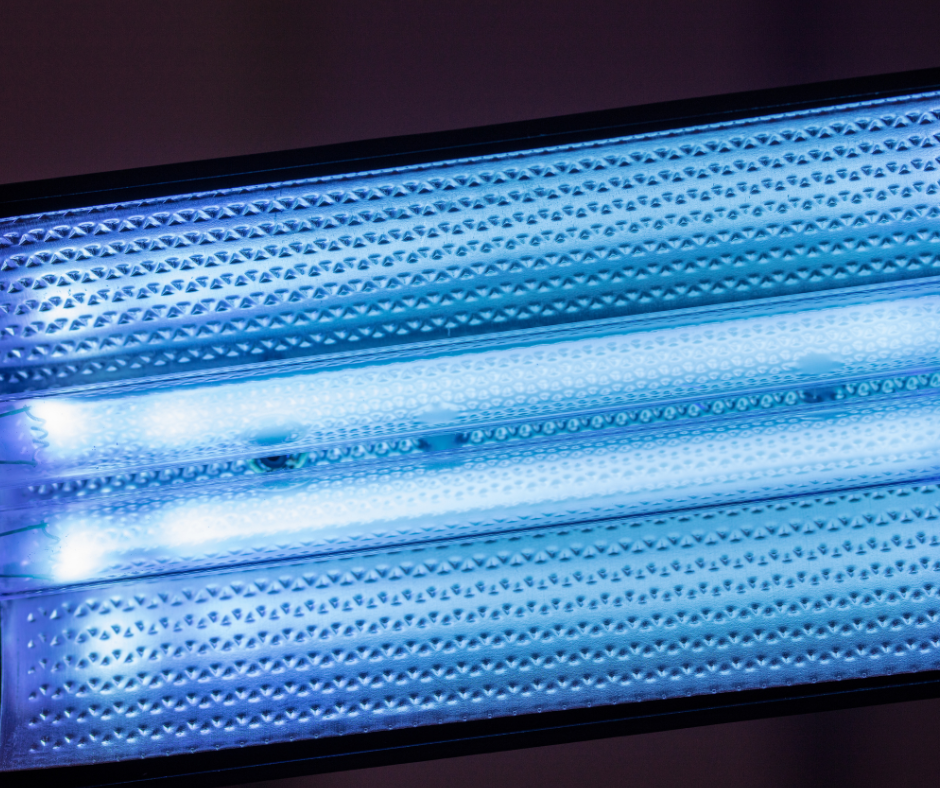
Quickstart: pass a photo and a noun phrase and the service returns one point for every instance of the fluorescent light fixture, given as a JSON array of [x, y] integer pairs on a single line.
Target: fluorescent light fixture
[[628, 416]]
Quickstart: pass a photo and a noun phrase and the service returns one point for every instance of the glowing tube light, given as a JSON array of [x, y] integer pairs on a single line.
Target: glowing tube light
[[578, 478], [461, 390], [601, 422]]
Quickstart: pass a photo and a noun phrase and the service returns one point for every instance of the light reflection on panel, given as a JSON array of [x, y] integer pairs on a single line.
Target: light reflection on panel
[[773, 206], [793, 591]]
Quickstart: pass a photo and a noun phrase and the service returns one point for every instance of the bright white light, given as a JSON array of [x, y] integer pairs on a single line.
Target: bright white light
[[65, 422], [566, 480], [80, 554], [468, 388]]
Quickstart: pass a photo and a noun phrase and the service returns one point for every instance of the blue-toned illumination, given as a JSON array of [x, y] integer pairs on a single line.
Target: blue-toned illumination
[[463, 389], [578, 478], [628, 419], [799, 590]]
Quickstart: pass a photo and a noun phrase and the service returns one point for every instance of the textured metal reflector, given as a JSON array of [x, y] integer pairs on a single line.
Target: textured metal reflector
[[714, 600]]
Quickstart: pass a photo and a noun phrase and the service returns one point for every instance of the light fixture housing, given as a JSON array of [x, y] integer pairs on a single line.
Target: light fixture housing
[[531, 433]]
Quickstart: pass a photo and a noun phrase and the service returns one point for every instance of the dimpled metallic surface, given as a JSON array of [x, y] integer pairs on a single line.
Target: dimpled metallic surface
[[715, 600], [638, 418], [772, 206]]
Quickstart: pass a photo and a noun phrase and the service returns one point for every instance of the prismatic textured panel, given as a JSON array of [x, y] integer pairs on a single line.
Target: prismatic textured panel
[[599, 423], [799, 590], [788, 204]]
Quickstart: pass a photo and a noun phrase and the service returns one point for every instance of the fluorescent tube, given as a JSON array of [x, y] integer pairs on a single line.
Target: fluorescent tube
[[461, 390]]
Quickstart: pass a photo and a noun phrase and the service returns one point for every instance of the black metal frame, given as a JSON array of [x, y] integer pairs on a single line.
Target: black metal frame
[[441, 741], [384, 748], [85, 190]]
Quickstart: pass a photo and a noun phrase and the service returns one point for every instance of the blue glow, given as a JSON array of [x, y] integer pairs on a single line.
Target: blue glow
[[461, 390], [635, 418], [578, 478]]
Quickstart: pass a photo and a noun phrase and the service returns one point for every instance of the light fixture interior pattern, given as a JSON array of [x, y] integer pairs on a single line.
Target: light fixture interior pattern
[[634, 418], [793, 203], [712, 600]]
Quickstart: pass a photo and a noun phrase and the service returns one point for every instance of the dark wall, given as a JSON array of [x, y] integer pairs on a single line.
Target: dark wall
[[884, 746], [96, 86]]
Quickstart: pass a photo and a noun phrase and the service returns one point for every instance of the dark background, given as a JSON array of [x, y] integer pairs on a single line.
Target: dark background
[[95, 86]]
